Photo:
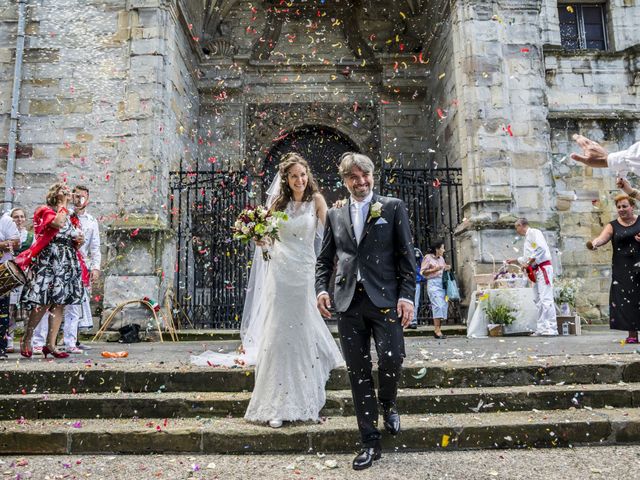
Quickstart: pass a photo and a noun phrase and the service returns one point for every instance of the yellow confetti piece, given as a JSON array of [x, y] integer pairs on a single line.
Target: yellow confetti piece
[[445, 441], [484, 297], [570, 9], [388, 160], [403, 15], [441, 76]]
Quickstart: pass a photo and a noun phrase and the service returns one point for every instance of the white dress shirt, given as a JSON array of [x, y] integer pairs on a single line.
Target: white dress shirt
[[625, 161], [535, 246], [359, 211], [90, 249]]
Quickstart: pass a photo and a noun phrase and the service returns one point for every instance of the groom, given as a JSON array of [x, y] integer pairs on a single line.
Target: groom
[[374, 286]]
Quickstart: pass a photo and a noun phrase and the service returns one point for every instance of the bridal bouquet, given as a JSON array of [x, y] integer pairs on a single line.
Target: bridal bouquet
[[258, 224]]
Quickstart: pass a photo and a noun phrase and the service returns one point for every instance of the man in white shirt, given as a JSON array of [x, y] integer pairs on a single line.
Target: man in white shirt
[[594, 155], [9, 241], [536, 260], [76, 316]]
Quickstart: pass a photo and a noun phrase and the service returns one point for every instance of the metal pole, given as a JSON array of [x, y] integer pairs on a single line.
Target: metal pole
[[15, 104]]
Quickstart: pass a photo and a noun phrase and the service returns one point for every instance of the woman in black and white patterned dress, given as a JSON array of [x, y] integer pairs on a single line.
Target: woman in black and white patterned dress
[[56, 268]]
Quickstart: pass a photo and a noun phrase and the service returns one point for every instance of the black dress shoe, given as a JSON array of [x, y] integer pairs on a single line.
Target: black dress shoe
[[439, 337], [412, 326], [366, 457], [392, 421]]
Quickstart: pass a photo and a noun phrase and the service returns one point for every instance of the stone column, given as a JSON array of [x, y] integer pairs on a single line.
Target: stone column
[[160, 98], [502, 130]]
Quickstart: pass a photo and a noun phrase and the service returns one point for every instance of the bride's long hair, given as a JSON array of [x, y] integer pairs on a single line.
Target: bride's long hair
[[286, 194]]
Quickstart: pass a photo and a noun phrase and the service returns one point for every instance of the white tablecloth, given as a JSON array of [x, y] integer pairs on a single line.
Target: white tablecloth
[[519, 298]]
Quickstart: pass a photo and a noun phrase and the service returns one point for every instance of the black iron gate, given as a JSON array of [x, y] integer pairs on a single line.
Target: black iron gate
[[434, 199], [211, 269]]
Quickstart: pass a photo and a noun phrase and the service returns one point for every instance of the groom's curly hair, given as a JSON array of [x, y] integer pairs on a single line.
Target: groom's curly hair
[[286, 194]]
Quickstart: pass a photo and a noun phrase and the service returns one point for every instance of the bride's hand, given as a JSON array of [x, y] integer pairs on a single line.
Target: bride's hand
[[265, 242]]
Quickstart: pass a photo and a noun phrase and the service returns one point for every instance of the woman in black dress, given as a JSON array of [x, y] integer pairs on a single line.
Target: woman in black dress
[[624, 296], [57, 274]]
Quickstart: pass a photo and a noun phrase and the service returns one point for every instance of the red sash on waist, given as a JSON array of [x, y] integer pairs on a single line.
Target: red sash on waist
[[531, 271]]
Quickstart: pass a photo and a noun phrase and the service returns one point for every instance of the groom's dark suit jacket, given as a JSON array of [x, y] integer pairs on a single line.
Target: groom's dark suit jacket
[[384, 256]]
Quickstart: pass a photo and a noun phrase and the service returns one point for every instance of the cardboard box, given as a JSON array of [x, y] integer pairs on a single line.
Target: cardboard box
[[574, 324]]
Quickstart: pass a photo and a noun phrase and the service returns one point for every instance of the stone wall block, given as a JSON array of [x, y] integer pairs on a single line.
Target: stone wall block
[[127, 20], [7, 55], [150, 46], [134, 4], [120, 288], [145, 32], [60, 106], [41, 55], [72, 151], [133, 109]]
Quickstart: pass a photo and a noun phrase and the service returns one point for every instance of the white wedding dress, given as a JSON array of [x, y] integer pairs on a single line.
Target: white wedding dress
[[296, 351]]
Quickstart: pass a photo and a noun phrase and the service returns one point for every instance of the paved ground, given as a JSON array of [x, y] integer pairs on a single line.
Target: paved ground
[[609, 463], [420, 351]]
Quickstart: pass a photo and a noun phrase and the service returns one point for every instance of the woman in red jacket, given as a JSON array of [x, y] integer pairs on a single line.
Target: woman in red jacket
[[57, 270]]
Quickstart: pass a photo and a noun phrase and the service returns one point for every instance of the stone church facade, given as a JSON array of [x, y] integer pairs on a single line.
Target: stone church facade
[[118, 94]]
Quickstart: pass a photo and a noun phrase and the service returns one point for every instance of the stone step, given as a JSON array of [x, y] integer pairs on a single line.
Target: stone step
[[41, 377], [339, 403], [210, 335], [338, 434]]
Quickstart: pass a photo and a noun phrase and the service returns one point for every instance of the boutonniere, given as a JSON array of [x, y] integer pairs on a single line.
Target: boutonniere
[[376, 210], [339, 203]]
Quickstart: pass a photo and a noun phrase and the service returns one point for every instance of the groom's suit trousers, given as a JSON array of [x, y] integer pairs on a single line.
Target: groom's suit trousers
[[356, 326]]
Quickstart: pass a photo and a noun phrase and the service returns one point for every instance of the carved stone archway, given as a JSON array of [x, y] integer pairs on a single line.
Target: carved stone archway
[[322, 147], [273, 127]]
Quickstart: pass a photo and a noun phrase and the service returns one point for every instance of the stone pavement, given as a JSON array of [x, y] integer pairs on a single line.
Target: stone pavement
[[585, 463]]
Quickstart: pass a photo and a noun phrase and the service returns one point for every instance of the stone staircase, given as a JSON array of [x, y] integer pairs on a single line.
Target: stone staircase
[[87, 408]]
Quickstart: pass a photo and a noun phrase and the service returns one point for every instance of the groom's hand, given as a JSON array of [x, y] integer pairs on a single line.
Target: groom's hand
[[324, 304], [405, 312]]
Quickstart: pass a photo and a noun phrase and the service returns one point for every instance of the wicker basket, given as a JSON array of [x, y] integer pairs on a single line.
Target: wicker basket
[[496, 330], [517, 279], [488, 280]]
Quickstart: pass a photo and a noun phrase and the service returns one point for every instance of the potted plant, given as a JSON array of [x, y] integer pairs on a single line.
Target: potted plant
[[565, 292], [498, 315]]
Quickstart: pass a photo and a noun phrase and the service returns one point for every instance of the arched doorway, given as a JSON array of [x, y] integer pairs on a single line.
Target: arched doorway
[[322, 147]]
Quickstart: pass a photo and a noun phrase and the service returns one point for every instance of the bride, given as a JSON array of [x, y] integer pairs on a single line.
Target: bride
[[282, 330], [296, 352]]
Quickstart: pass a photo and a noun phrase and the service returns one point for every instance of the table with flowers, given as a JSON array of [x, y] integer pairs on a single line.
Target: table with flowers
[[508, 288]]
